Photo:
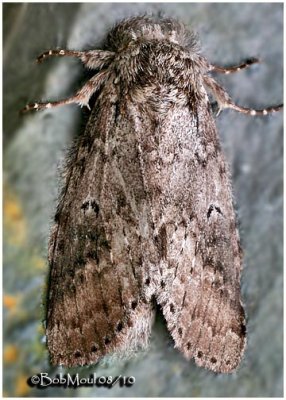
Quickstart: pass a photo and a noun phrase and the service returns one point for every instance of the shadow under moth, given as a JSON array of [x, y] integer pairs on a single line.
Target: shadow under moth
[[146, 213]]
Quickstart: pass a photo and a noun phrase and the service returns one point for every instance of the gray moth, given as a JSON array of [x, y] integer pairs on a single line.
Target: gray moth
[[146, 212]]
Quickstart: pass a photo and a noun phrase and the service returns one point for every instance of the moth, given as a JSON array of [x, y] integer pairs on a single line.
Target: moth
[[146, 212]]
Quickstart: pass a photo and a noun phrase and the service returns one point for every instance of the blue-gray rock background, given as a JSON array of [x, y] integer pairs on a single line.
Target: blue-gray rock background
[[34, 148]]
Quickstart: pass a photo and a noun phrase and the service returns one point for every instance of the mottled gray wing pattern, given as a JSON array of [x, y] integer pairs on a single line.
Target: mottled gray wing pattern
[[198, 281], [96, 304]]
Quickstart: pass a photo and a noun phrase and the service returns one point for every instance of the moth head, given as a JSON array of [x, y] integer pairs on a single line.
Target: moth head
[[149, 29]]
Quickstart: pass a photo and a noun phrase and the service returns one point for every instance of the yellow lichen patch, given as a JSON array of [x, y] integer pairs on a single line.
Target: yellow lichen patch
[[10, 353], [14, 220], [22, 388], [10, 302]]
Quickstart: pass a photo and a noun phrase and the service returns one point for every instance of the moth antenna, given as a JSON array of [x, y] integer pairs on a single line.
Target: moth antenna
[[93, 59], [234, 68], [224, 100], [82, 97]]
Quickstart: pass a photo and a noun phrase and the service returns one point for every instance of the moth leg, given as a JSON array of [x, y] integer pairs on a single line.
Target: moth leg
[[81, 97], [234, 68], [225, 101], [92, 59]]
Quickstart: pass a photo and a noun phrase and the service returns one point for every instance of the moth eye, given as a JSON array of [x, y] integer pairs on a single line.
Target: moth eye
[[77, 354], [213, 360], [93, 349], [172, 308], [163, 284], [180, 331], [200, 354], [188, 346]]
